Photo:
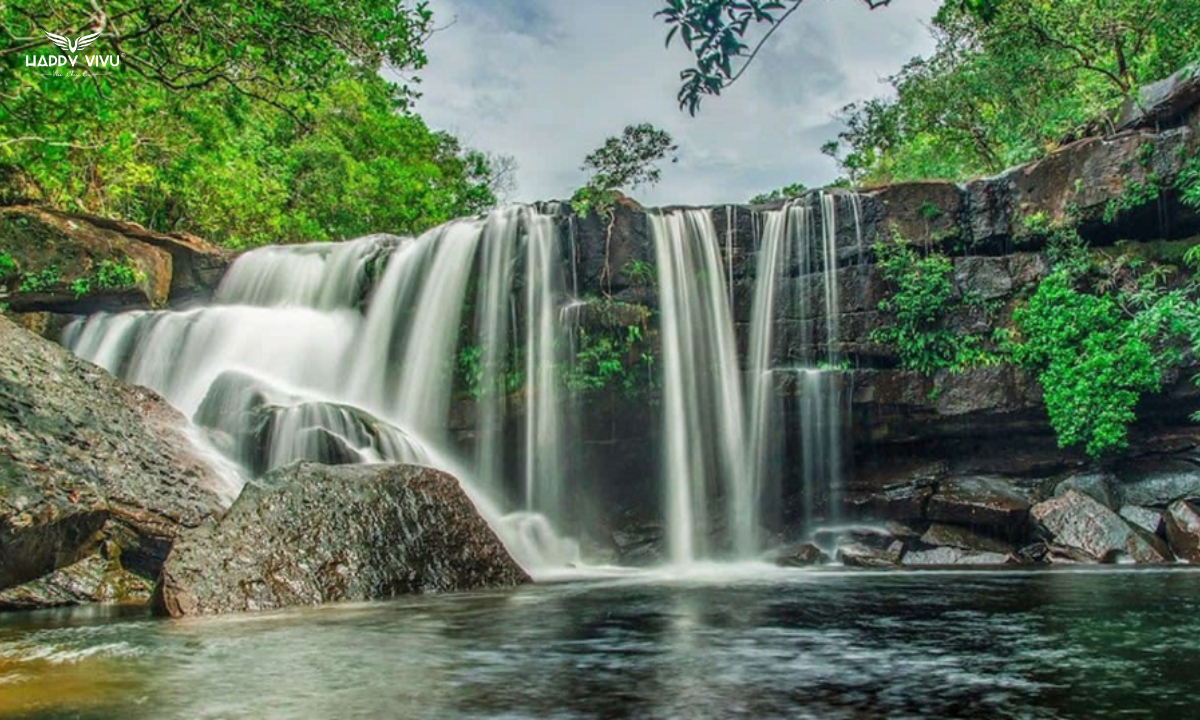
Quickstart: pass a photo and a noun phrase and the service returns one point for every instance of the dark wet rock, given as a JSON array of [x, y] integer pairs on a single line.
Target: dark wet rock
[[1183, 531], [1100, 486], [856, 554], [867, 547], [310, 534], [1063, 555], [640, 544], [1158, 482], [981, 502], [983, 278], [263, 428], [87, 462], [954, 556], [960, 538], [1147, 519], [801, 555], [95, 579], [1077, 521], [903, 502]]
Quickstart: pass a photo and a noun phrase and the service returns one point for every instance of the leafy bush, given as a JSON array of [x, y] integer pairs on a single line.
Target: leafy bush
[[922, 299], [1091, 362], [8, 265]]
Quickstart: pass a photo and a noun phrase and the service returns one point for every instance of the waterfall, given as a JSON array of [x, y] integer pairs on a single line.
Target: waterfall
[[353, 352], [702, 399], [801, 239], [451, 349]]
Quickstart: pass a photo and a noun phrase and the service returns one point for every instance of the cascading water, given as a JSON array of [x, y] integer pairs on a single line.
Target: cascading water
[[801, 239], [702, 398], [354, 352], [348, 353]]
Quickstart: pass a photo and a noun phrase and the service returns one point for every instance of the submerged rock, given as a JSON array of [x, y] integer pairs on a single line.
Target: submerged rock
[[89, 464], [954, 556], [801, 555], [91, 580], [1078, 521], [1183, 531], [310, 534]]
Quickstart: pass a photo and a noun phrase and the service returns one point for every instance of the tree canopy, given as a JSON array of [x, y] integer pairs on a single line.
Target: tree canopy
[[249, 122]]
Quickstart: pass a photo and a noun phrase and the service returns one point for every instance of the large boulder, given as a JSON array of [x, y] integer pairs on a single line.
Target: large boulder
[[309, 534], [1078, 521], [70, 263], [1183, 531], [989, 503], [90, 466], [1159, 481]]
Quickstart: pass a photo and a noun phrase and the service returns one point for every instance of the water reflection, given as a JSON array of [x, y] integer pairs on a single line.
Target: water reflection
[[796, 644]]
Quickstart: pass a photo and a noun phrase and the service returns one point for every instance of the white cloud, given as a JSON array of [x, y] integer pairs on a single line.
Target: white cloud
[[548, 80]]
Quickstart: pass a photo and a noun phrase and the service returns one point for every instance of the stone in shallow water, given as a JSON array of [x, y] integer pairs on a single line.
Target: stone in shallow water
[[87, 460], [1183, 531], [802, 555], [1080, 522], [954, 556], [310, 534], [859, 554], [92, 580]]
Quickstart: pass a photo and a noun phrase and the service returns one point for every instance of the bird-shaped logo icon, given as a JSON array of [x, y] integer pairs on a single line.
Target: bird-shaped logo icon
[[73, 47]]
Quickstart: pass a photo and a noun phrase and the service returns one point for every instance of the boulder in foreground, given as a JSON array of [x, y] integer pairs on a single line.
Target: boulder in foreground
[[309, 534], [90, 468]]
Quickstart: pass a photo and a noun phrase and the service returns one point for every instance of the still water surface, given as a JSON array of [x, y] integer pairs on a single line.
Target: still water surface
[[754, 643]]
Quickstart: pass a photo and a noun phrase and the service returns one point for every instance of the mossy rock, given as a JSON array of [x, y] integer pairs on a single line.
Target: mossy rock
[[67, 265]]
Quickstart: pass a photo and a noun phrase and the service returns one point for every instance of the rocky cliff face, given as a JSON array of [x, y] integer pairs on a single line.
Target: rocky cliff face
[[97, 478]]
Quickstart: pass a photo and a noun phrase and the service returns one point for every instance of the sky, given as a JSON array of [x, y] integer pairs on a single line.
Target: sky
[[546, 81]]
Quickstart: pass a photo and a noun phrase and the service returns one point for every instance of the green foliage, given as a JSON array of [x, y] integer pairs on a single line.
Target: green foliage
[[714, 31], [1188, 183], [922, 299], [471, 379], [108, 275], [1094, 362], [255, 123], [8, 265], [784, 193], [1011, 80], [611, 358], [630, 160], [1134, 195], [42, 281], [640, 272]]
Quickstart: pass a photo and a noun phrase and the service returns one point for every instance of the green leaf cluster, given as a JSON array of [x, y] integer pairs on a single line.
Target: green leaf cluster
[[921, 300], [1093, 360]]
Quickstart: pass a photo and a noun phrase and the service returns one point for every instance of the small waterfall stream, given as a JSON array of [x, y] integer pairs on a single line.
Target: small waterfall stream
[[363, 351]]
